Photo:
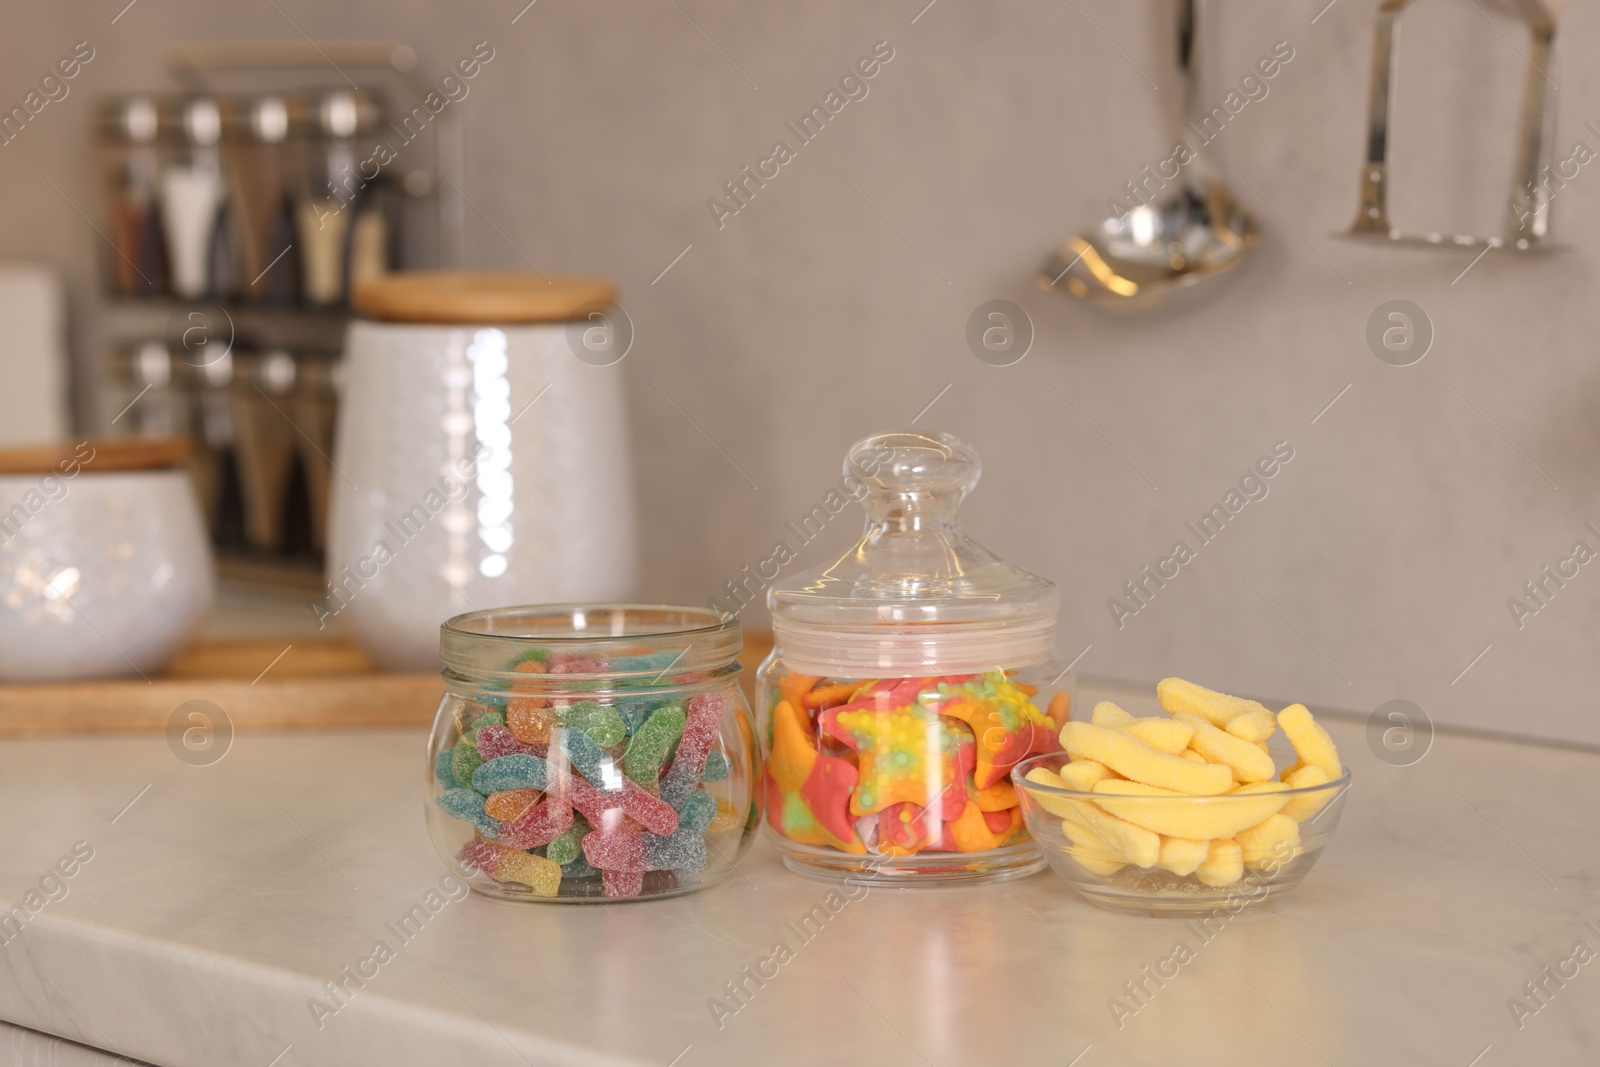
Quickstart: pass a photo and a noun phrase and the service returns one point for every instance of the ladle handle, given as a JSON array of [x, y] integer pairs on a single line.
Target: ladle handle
[[1187, 112]]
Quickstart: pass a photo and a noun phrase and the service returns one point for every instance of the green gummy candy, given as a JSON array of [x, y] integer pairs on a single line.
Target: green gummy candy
[[538, 655], [497, 717], [463, 761], [717, 766], [565, 848], [602, 724], [650, 745]]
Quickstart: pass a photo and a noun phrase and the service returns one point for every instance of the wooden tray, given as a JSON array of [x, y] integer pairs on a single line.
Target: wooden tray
[[261, 685]]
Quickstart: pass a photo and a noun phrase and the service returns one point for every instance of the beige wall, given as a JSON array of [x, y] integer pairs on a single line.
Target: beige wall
[[1391, 541]]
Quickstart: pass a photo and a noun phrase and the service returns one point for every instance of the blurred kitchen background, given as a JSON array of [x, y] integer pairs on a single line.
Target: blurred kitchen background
[[836, 303]]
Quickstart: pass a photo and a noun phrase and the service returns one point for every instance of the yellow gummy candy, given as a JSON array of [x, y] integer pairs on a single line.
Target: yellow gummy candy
[[1224, 864], [727, 818], [1083, 774], [1257, 724], [1182, 855], [1272, 843], [1058, 806], [1176, 815], [541, 875], [1089, 851], [1248, 763], [1133, 759], [1169, 735], [1216, 708], [1106, 713], [1192, 756], [1302, 808], [1132, 844], [1311, 742], [1045, 776]]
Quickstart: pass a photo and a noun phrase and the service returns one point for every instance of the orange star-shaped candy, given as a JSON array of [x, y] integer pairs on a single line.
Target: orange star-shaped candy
[[1003, 720]]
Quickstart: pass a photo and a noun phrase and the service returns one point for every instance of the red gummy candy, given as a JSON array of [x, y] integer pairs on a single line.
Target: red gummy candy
[[621, 849], [622, 883], [477, 855], [908, 826], [998, 821], [827, 791], [689, 762], [653, 813], [495, 741], [539, 825]]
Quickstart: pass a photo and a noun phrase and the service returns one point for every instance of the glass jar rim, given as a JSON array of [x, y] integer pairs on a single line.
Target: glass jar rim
[[713, 622], [658, 645]]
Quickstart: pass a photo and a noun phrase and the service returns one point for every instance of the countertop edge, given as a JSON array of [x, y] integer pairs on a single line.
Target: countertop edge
[[163, 995]]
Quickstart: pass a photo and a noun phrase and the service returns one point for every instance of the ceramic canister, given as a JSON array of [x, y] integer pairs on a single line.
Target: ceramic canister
[[481, 456], [105, 566]]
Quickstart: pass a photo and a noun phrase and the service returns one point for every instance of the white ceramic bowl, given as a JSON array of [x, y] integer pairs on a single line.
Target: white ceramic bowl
[[101, 574]]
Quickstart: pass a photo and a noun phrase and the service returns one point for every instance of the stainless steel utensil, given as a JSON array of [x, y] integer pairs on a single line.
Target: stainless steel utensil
[[1136, 260], [1528, 209]]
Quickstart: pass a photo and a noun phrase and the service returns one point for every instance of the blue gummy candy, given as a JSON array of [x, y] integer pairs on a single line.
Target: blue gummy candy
[[589, 759], [697, 812], [441, 769], [634, 712], [579, 868], [653, 661], [516, 771], [717, 766], [466, 805], [681, 850]]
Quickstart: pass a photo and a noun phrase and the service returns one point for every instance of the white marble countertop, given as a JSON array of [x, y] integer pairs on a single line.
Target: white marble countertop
[[220, 899]]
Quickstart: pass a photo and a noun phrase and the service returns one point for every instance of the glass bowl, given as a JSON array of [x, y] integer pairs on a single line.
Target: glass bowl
[[1108, 847]]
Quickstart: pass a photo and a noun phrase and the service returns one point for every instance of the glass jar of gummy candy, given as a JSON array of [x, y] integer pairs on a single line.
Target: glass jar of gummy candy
[[592, 752], [906, 679]]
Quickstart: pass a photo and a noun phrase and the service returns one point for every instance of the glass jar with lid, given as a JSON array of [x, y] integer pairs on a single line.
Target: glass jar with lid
[[907, 677]]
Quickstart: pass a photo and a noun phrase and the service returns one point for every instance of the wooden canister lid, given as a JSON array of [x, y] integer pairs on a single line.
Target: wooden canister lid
[[467, 298], [97, 455]]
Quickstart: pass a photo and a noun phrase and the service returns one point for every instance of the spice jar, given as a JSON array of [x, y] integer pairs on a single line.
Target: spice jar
[[906, 679], [592, 753], [261, 156], [131, 133], [343, 234]]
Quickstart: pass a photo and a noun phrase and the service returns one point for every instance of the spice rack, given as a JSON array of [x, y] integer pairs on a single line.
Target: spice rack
[[238, 209]]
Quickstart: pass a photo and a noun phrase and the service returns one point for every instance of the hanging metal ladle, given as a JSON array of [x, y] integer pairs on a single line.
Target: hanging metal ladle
[[1135, 260]]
